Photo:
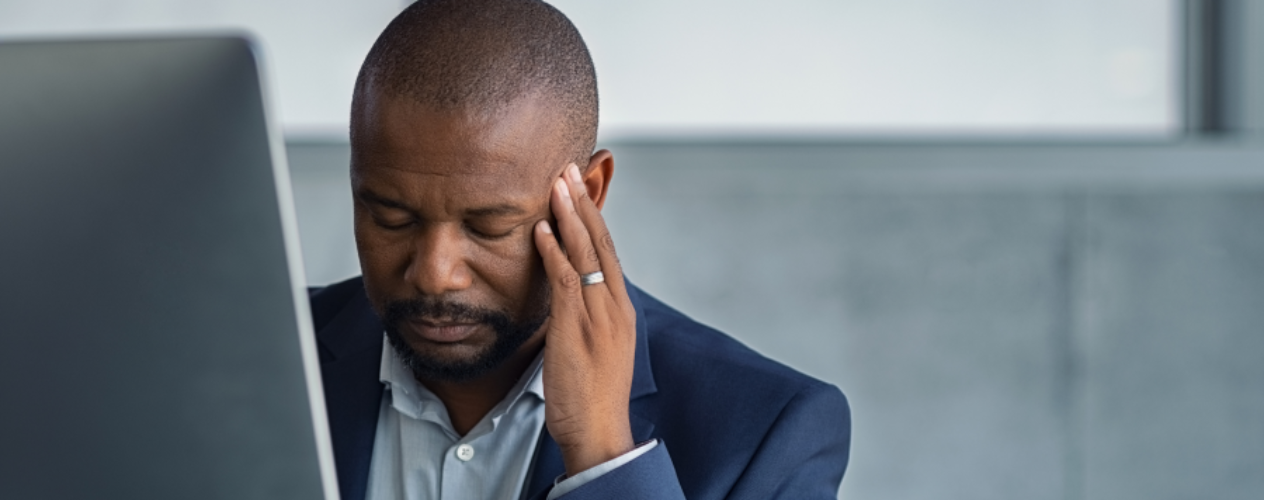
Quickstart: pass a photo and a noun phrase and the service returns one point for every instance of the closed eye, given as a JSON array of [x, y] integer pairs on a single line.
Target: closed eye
[[393, 225], [386, 213], [488, 235]]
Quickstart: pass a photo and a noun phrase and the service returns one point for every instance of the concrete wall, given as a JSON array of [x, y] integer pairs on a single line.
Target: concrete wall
[[1009, 321]]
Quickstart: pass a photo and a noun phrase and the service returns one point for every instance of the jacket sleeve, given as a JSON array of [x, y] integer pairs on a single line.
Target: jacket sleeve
[[651, 475], [805, 453], [801, 457]]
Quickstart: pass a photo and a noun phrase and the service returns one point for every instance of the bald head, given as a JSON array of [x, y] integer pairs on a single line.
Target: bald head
[[482, 56]]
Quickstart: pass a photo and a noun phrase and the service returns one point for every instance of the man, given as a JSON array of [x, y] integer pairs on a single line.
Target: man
[[492, 348]]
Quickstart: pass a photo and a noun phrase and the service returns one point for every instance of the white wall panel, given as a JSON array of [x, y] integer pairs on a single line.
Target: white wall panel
[[722, 67]]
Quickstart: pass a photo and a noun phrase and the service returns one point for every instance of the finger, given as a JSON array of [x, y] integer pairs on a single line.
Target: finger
[[597, 298], [561, 275], [579, 244], [595, 224]]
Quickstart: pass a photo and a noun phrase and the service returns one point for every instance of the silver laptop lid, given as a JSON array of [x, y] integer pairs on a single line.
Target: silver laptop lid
[[154, 334]]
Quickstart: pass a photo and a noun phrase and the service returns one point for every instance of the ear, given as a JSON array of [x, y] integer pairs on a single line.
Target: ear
[[597, 176]]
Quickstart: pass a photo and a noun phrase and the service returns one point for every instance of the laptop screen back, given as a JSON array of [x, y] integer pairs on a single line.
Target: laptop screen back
[[150, 314]]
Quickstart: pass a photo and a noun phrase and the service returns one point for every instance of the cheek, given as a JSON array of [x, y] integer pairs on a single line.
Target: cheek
[[383, 257], [512, 268]]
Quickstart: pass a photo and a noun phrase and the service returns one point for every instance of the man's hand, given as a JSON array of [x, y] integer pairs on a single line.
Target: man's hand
[[590, 341]]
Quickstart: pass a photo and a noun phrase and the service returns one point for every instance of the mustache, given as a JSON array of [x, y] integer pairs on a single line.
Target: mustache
[[432, 308]]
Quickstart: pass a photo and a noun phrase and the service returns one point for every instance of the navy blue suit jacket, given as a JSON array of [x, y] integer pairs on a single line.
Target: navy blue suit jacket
[[732, 424]]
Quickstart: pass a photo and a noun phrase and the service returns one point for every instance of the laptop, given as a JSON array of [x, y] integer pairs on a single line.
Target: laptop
[[155, 340]]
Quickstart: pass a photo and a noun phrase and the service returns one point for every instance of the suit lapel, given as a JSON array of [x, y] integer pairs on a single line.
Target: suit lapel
[[547, 464], [545, 467], [642, 374], [353, 391]]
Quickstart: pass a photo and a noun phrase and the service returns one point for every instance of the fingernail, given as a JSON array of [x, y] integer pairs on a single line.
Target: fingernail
[[573, 173], [544, 226], [564, 190]]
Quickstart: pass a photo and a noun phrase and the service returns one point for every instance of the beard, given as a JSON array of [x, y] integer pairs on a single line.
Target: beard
[[509, 336]]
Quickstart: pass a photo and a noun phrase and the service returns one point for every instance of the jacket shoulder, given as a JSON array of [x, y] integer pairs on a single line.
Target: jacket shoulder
[[678, 342], [726, 410], [327, 301]]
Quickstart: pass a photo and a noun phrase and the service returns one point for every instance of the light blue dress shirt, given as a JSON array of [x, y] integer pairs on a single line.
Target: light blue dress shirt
[[417, 455]]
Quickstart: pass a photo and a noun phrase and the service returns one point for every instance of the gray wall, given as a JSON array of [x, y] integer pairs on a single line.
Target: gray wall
[[1008, 321]]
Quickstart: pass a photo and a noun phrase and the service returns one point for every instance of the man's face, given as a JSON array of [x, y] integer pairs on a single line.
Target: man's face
[[445, 204]]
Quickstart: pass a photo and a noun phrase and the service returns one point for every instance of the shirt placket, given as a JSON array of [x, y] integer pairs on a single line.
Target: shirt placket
[[461, 472]]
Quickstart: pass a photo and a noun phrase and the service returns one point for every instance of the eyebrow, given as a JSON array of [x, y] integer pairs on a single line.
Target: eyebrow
[[372, 197], [499, 210]]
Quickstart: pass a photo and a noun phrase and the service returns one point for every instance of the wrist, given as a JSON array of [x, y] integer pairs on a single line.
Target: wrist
[[596, 448]]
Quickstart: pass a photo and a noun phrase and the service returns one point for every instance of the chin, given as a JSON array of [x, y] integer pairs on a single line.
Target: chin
[[460, 353], [451, 362]]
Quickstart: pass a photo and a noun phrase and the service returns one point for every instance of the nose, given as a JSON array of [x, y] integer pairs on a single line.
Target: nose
[[438, 264]]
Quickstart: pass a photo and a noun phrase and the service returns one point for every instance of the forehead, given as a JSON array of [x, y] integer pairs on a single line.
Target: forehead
[[511, 149]]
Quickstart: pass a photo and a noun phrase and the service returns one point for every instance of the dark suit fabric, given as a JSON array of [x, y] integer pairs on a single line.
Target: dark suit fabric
[[731, 424]]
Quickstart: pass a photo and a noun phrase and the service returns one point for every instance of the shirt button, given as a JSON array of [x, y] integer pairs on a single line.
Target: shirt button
[[465, 452]]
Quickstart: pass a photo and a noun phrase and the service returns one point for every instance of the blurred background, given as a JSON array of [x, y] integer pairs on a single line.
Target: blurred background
[[1024, 237]]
